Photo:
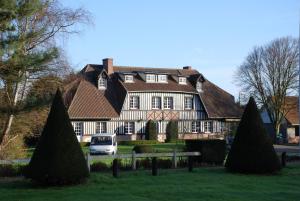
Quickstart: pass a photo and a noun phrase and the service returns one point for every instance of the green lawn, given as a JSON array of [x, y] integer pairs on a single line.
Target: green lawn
[[125, 149], [203, 184]]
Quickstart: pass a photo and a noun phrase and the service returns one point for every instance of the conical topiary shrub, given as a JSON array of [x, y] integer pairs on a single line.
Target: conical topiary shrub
[[172, 131], [252, 150], [151, 133], [58, 158]]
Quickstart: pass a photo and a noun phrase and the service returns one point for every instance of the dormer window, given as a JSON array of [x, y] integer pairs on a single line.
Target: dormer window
[[102, 83], [199, 86], [162, 78], [182, 80], [128, 78], [150, 78]]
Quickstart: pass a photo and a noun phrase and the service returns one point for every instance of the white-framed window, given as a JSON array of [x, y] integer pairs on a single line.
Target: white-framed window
[[162, 78], [150, 78], [128, 78], [168, 102], [134, 102], [78, 128], [199, 86], [101, 127], [188, 103], [207, 126], [129, 127], [182, 80], [156, 102], [195, 126], [102, 83]]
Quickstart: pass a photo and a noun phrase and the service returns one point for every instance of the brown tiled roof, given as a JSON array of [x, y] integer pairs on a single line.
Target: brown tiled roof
[[292, 116], [90, 103], [140, 85], [218, 103]]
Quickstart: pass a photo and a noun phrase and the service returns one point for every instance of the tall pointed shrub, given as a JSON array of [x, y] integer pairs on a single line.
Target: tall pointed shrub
[[172, 131], [151, 133], [252, 150], [58, 158]]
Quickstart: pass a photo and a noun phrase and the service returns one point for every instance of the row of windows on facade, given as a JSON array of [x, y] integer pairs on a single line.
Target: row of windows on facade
[[151, 78], [168, 102], [129, 127]]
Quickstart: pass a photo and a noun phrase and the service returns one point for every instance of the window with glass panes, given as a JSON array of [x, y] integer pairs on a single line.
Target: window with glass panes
[[128, 78], [199, 86], [168, 103], [78, 128], [129, 127], [150, 78], [188, 103], [102, 82], [196, 127], [182, 80], [156, 102], [162, 78], [101, 127], [134, 102], [207, 126]]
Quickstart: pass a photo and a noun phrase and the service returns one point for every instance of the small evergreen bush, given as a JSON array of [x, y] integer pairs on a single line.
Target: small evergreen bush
[[172, 131], [252, 150], [151, 133], [143, 149], [137, 142], [212, 151], [99, 167]]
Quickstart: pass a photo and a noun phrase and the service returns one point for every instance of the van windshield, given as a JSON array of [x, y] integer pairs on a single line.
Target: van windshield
[[101, 140]]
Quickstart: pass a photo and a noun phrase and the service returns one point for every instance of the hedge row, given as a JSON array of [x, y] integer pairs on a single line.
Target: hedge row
[[9, 170], [212, 151], [137, 142]]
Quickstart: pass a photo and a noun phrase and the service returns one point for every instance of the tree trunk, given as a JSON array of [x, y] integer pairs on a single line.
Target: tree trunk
[[277, 131], [6, 127], [10, 118]]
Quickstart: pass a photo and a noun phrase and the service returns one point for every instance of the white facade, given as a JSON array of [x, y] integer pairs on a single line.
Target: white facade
[[189, 120]]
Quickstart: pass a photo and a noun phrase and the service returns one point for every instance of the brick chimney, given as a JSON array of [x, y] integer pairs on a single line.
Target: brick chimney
[[108, 65], [187, 68]]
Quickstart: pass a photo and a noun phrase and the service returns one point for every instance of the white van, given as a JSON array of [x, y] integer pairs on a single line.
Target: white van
[[104, 143]]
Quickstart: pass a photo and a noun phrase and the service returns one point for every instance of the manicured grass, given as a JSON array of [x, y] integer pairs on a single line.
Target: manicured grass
[[126, 149], [211, 184]]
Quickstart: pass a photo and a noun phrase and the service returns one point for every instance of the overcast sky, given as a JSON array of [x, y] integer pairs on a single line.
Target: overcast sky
[[213, 37]]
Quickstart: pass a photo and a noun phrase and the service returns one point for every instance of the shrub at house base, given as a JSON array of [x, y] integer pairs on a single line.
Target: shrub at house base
[[58, 158], [151, 130], [172, 131], [252, 150]]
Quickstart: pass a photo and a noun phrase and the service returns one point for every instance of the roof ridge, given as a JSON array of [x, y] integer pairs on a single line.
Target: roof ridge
[[155, 68]]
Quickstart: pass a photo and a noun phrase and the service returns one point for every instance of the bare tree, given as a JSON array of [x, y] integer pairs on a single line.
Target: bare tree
[[28, 38], [269, 74]]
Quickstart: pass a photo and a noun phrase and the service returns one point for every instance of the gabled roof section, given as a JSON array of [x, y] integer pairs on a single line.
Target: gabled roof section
[[172, 85], [90, 103], [292, 116], [218, 103], [85, 103]]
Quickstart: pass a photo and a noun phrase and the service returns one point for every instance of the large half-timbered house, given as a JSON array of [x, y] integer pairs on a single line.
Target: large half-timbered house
[[121, 99]]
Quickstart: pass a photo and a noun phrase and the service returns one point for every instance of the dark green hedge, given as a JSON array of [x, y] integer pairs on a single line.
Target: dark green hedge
[[212, 151], [58, 158], [172, 131], [252, 150], [137, 142], [151, 133]]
